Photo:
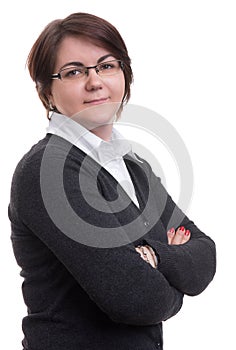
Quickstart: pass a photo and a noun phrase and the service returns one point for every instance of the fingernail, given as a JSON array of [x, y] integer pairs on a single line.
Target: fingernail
[[182, 228], [187, 232], [171, 230]]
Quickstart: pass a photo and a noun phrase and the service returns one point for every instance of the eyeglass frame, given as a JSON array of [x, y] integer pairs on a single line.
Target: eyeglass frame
[[57, 76]]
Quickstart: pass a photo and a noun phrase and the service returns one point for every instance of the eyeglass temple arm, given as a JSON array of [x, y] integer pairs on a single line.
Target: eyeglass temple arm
[[56, 76]]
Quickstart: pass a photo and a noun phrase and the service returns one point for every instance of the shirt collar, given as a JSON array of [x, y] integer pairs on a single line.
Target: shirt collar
[[102, 151]]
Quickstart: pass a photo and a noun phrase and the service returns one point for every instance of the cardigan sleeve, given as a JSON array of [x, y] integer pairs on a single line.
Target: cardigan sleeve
[[189, 267], [123, 286]]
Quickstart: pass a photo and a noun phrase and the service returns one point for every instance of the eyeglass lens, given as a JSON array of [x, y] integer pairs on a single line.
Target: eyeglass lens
[[104, 68]]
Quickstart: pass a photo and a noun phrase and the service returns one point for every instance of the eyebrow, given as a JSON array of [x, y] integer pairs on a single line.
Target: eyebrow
[[77, 63]]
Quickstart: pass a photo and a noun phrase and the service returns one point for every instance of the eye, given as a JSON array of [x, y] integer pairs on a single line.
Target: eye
[[107, 66], [72, 72]]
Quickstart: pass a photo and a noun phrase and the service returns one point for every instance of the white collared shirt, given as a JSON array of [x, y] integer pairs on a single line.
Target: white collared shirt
[[109, 154]]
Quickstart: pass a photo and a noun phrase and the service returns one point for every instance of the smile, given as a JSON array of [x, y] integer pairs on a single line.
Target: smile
[[97, 101]]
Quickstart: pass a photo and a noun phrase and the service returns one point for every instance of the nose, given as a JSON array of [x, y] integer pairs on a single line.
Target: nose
[[93, 80]]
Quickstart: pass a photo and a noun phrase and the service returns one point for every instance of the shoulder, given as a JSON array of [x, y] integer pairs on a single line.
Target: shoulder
[[51, 146], [41, 163], [26, 176], [34, 154]]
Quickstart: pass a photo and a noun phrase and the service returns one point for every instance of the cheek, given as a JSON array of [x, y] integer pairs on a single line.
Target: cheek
[[122, 86], [66, 100], [123, 89], [117, 87]]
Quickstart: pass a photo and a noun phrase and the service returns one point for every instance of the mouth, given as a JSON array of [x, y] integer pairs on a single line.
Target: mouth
[[97, 101]]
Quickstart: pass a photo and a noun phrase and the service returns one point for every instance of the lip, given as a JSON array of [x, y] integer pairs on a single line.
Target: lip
[[97, 101]]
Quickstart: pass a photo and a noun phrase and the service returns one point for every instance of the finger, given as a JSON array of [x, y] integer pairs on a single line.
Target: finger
[[179, 236], [141, 252], [145, 253], [138, 249], [170, 235], [186, 237], [152, 259]]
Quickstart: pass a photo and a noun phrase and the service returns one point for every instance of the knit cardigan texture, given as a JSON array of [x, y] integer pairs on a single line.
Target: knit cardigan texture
[[93, 296]]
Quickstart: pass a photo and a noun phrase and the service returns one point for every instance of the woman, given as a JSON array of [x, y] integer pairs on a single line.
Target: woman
[[91, 231]]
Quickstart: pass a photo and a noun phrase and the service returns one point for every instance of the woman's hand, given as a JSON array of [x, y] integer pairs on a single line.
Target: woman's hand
[[148, 255], [180, 236]]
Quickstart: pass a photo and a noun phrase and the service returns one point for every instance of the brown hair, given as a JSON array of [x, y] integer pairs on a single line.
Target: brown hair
[[42, 57]]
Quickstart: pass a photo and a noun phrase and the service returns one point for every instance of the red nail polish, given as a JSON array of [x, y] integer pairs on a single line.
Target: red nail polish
[[182, 228], [187, 233], [171, 230]]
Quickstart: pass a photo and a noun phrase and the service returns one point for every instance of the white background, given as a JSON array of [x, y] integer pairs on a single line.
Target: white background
[[184, 63]]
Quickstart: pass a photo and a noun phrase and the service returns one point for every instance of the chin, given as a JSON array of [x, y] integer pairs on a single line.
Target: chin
[[96, 116]]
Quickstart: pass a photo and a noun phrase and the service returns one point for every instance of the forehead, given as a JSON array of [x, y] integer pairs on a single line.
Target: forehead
[[79, 49]]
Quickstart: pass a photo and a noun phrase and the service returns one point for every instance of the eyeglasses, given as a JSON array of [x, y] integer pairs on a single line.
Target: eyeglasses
[[76, 72]]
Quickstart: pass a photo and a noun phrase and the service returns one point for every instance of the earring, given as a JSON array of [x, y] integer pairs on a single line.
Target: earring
[[51, 105]]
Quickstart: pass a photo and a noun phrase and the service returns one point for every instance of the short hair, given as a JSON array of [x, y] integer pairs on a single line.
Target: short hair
[[42, 57]]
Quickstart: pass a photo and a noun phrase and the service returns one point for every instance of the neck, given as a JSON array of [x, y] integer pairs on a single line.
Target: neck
[[104, 132]]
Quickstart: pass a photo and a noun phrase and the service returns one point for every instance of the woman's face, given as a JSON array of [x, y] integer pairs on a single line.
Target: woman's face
[[77, 97]]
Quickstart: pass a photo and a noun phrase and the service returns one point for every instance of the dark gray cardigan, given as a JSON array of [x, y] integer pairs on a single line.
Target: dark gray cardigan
[[81, 296]]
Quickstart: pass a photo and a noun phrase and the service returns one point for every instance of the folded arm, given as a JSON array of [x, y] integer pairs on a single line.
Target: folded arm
[[190, 266]]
